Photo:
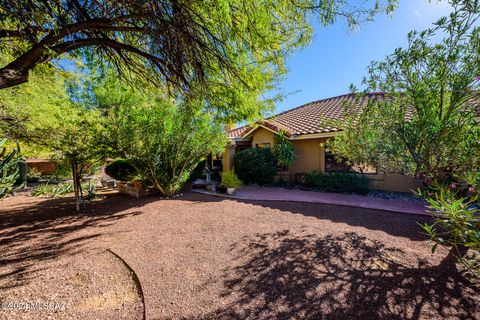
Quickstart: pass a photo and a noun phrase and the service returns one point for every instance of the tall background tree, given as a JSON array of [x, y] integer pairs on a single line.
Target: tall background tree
[[425, 124]]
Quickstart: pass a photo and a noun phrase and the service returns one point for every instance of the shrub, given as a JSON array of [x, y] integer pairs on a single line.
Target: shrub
[[336, 182], [456, 222], [255, 165], [89, 187], [22, 172], [8, 170], [198, 171], [166, 141], [53, 190], [121, 170], [63, 169], [33, 174], [230, 180]]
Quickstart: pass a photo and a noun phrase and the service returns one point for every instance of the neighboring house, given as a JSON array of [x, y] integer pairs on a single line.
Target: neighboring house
[[306, 127], [45, 166]]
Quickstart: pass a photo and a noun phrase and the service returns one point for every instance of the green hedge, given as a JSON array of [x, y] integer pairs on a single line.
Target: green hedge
[[336, 182], [255, 165]]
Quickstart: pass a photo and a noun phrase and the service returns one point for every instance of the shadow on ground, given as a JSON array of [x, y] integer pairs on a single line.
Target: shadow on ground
[[38, 231], [393, 223], [285, 276]]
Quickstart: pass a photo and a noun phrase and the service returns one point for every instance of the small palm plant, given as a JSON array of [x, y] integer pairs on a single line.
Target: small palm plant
[[283, 150]]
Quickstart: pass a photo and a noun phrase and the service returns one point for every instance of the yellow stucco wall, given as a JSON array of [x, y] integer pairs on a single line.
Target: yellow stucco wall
[[228, 154], [309, 155], [263, 136]]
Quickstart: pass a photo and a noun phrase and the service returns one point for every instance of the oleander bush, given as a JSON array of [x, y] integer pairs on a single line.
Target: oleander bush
[[456, 220]]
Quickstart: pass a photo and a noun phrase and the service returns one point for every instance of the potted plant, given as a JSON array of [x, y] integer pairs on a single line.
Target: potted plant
[[222, 189], [137, 181], [230, 181]]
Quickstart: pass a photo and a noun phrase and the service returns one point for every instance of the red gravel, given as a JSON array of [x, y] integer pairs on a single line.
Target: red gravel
[[204, 257]]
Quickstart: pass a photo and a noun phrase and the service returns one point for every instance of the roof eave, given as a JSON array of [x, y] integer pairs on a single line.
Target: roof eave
[[331, 134]]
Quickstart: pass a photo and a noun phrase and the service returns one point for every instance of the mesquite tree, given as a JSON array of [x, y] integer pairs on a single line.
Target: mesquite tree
[[211, 43]]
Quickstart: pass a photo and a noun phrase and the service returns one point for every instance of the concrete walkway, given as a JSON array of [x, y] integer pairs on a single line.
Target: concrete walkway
[[295, 195]]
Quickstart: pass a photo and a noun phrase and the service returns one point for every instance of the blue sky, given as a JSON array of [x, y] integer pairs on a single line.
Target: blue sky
[[335, 58]]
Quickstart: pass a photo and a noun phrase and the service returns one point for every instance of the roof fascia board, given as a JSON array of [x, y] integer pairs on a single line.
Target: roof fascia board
[[258, 126], [315, 135]]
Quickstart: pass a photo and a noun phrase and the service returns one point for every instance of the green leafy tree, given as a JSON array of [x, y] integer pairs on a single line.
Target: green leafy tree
[[165, 140], [49, 119], [283, 150], [424, 124]]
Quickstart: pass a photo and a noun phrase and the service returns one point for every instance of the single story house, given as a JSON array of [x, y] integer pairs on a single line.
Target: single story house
[[305, 127]]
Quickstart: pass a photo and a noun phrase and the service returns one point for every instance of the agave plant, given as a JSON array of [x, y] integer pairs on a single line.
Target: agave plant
[[8, 169]]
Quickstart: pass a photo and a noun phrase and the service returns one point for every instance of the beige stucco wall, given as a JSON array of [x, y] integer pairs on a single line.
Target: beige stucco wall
[[228, 154], [393, 182], [309, 155], [261, 136]]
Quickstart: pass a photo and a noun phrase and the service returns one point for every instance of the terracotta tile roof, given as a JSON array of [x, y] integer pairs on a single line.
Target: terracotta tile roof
[[310, 118], [237, 132]]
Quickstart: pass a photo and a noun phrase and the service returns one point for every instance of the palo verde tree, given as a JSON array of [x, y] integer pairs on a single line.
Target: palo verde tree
[[203, 45], [425, 124], [41, 113]]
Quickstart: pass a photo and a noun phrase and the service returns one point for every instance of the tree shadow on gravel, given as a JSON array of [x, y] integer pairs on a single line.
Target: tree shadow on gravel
[[393, 223], [35, 232], [285, 276]]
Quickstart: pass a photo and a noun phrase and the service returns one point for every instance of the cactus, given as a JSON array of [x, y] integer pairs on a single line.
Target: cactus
[[8, 169]]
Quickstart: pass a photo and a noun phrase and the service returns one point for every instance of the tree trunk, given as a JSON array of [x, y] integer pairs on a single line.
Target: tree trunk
[[11, 77], [453, 257], [75, 186]]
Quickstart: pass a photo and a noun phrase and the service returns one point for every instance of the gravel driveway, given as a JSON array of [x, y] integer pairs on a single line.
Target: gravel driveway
[[202, 257]]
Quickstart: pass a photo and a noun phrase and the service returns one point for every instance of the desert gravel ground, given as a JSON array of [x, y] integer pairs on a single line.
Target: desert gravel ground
[[203, 257]]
